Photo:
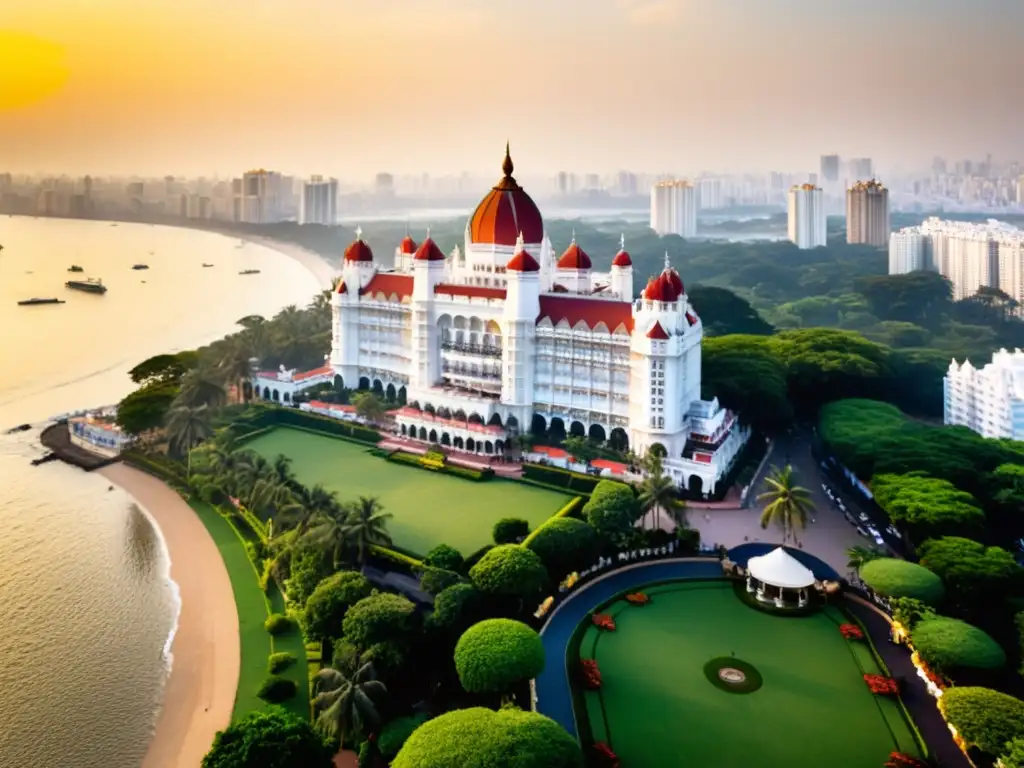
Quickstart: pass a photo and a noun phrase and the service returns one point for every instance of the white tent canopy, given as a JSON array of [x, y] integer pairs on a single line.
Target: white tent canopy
[[780, 569]]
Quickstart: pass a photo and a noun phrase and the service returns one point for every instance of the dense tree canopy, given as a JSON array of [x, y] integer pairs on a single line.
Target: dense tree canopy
[[722, 312], [164, 368], [892, 577], [510, 570], [483, 738], [565, 545], [976, 576], [949, 644], [927, 506], [747, 377], [395, 733], [495, 654], [147, 407], [331, 600], [613, 509], [456, 608], [446, 557], [916, 297], [984, 718], [270, 739], [378, 618]]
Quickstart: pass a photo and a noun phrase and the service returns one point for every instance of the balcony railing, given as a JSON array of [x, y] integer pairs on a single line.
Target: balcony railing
[[472, 349]]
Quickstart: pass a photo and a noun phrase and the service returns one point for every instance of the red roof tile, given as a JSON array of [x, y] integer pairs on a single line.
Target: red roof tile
[[590, 311], [657, 332], [358, 251], [622, 259], [428, 251], [389, 283], [522, 261], [332, 406], [472, 291], [408, 245], [615, 467], [310, 374], [691, 318], [574, 258], [342, 288]]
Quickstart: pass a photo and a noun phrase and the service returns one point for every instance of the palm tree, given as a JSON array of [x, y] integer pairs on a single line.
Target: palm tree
[[200, 387], [347, 703], [329, 534], [312, 504], [282, 466], [186, 428], [366, 526], [236, 366], [223, 461], [788, 503], [657, 493], [369, 406], [857, 556]]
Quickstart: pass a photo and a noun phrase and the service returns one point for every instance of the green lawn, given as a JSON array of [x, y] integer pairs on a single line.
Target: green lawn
[[256, 644], [657, 709], [429, 508]]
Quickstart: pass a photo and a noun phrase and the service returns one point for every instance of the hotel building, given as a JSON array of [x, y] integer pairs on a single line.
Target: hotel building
[[674, 208], [807, 216], [988, 400]]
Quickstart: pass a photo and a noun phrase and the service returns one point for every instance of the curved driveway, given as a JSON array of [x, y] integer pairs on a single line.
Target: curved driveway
[[554, 698]]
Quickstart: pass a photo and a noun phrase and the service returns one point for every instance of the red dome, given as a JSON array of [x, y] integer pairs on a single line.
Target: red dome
[[622, 259], [655, 290], [522, 261], [428, 251], [408, 245], [506, 212], [657, 332], [574, 258], [358, 251], [676, 280]]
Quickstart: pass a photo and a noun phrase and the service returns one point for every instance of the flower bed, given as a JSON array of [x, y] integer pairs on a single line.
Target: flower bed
[[851, 631], [605, 757], [881, 685], [591, 674], [901, 760], [638, 598], [603, 621]]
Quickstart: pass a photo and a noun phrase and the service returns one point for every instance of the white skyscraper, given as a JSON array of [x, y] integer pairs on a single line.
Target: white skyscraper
[[1011, 268], [260, 197], [807, 216], [674, 208], [710, 194], [988, 400], [907, 251], [319, 202]]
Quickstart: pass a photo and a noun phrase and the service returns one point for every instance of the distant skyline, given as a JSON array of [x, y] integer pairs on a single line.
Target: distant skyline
[[353, 87]]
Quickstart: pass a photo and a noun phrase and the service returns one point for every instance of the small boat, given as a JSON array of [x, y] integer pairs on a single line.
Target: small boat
[[152, 252], [207, 265], [30, 302], [140, 266], [75, 268], [19, 428], [249, 272], [89, 285]]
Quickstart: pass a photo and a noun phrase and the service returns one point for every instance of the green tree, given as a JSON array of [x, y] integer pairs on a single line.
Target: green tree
[[236, 367], [949, 644], [1013, 754], [658, 493], [581, 449], [306, 569], [331, 600], [435, 580], [186, 428], [926, 506], [510, 530], [747, 376], [446, 557], [565, 545], [857, 556], [496, 654], [916, 297], [366, 526], [788, 505], [510, 570], [722, 312], [909, 612], [378, 618], [329, 535], [892, 577], [612, 510], [270, 739], [369, 407], [146, 408], [395, 733], [199, 388], [346, 705], [977, 577], [456, 608], [984, 718], [509, 738], [164, 368], [312, 504]]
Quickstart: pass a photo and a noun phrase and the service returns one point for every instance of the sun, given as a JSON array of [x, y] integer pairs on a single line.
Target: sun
[[31, 69]]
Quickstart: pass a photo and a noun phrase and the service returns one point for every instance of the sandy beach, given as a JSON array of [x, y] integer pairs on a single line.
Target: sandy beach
[[311, 260], [200, 692]]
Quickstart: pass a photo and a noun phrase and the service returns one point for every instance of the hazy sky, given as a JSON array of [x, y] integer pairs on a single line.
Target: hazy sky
[[351, 87]]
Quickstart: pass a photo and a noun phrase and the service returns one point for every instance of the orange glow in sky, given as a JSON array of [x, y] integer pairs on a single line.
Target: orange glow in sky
[[30, 69]]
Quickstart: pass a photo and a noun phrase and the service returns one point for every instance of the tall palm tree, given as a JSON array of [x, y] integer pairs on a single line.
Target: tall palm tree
[[223, 460], [282, 466], [328, 534], [657, 493], [186, 428], [236, 367], [366, 526], [788, 503], [347, 703], [200, 387], [312, 504]]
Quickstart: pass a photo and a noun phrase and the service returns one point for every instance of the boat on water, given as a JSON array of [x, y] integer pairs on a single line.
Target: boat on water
[[249, 272], [75, 268], [140, 266], [207, 265], [30, 302], [89, 285]]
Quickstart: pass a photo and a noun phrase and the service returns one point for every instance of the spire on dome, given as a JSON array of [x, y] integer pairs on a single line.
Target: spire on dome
[[359, 232], [573, 236], [667, 264], [506, 166], [622, 241], [520, 243], [428, 230]]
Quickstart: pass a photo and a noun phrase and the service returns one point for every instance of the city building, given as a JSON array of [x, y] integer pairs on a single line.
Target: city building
[[384, 184], [260, 197], [867, 213], [674, 208], [98, 433], [503, 336], [830, 168], [860, 168], [807, 221], [319, 202], [710, 194], [1011, 268], [282, 385], [988, 400], [907, 252]]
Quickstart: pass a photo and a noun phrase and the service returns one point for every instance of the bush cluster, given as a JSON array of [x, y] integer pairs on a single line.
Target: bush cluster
[[278, 662], [277, 689], [560, 478], [278, 623], [495, 654]]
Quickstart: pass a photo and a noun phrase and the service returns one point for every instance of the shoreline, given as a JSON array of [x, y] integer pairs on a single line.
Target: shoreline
[[204, 648], [314, 263]]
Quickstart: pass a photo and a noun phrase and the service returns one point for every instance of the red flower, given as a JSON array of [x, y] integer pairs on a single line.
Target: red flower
[[591, 674], [638, 598], [605, 756], [901, 760], [880, 685], [603, 621], [851, 631]]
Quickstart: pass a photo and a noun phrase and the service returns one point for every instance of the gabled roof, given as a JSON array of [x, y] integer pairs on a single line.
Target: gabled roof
[[590, 311], [657, 332], [389, 283]]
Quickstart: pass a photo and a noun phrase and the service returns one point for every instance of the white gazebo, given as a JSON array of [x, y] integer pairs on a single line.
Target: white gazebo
[[778, 575]]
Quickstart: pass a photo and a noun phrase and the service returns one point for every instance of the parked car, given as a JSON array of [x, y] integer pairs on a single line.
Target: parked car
[[863, 533], [863, 518], [893, 531]]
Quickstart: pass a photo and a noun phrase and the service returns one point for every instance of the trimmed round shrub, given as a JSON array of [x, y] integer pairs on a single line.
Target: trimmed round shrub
[[612, 509], [276, 689], [509, 738], [510, 570], [892, 577], [510, 530], [377, 619], [984, 718], [278, 623], [495, 654], [330, 601], [950, 643], [565, 545], [446, 557], [271, 739], [279, 661], [394, 735], [456, 608], [435, 580]]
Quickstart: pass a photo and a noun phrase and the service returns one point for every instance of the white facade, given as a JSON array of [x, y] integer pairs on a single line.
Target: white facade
[[674, 208], [319, 204], [907, 251], [807, 216], [710, 194], [503, 336], [97, 434], [988, 400], [1011, 269], [283, 385]]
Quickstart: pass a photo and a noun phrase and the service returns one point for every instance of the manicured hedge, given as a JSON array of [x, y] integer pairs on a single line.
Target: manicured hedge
[[561, 478], [396, 557], [984, 718], [947, 644], [892, 577], [572, 509], [277, 689], [394, 735], [495, 654], [422, 462], [260, 417], [160, 466]]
